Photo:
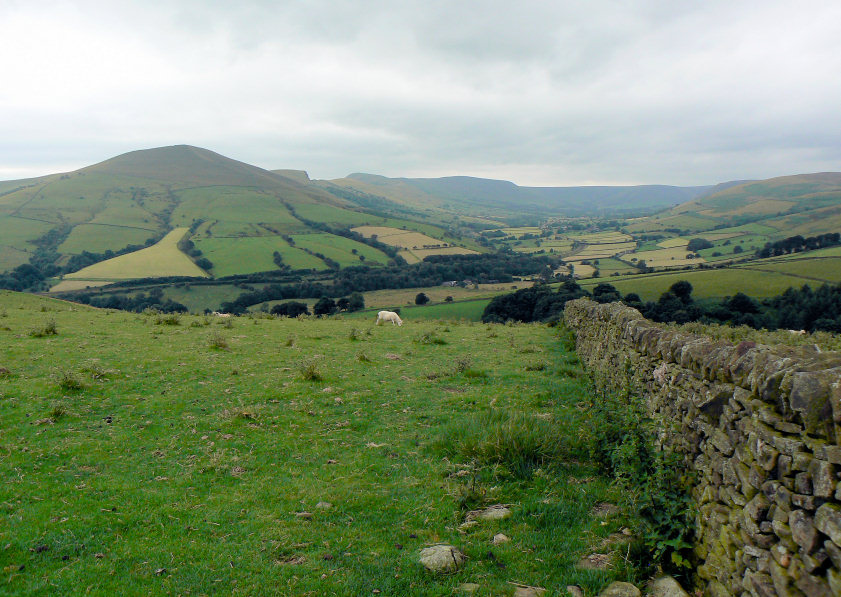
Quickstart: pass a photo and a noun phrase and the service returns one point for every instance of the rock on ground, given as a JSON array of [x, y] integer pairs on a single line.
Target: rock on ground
[[666, 586], [442, 558], [620, 589]]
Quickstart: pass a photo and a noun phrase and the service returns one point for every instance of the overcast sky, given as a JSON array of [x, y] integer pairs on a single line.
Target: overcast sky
[[542, 92]]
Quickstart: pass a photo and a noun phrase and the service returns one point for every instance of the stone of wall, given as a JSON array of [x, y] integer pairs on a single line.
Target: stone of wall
[[759, 424]]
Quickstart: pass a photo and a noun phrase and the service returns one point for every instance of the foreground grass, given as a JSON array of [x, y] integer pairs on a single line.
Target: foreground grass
[[143, 454]]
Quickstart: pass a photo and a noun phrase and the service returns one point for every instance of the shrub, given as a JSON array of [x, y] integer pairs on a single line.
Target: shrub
[[430, 338], [217, 341], [68, 381], [309, 370], [48, 329], [354, 335], [421, 298], [168, 319]]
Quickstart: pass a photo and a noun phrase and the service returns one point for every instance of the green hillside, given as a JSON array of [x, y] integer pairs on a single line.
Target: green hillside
[[150, 455], [806, 204], [237, 212]]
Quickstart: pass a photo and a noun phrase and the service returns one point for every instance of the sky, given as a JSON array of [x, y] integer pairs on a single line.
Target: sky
[[539, 92]]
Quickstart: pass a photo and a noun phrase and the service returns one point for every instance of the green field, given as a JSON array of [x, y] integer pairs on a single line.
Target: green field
[[340, 249], [332, 214], [140, 460], [233, 204], [98, 238], [716, 283], [162, 259], [253, 254]]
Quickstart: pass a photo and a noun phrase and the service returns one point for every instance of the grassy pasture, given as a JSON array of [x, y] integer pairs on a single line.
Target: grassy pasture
[[332, 214], [339, 248], [705, 283], [98, 238], [253, 254], [601, 250], [162, 259], [231, 204], [809, 269], [139, 459], [11, 258], [396, 237], [674, 256]]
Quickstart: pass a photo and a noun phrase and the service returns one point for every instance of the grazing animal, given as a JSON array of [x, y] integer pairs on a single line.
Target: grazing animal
[[389, 316]]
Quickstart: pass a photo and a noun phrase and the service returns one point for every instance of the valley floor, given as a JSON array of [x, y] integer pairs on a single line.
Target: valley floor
[[143, 454]]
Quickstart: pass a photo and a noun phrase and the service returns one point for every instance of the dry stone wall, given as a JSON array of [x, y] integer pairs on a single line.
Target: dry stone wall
[[760, 425]]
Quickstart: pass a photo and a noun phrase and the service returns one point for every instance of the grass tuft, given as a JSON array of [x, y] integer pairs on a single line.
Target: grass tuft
[[68, 381], [515, 440]]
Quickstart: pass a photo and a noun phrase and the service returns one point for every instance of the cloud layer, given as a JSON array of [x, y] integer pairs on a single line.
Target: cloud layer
[[541, 93]]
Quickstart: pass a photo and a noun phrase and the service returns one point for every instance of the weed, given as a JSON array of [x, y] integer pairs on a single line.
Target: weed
[[463, 364], [217, 341], [168, 319], [354, 335], [96, 370], [58, 411], [68, 381], [48, 329], [227, 323], [475, 374], [290, 341], [309, 370], [430, 338], [624, 442], [362, 357], [195, 324], [3, 313], [536, 366]]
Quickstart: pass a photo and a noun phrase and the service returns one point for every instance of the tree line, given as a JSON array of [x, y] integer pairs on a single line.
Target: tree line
[[802, 308]]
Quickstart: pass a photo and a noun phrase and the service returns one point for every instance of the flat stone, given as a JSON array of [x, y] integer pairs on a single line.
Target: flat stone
[[469, 587], [823, 478], [443, 559], [620, 589], [666, 586], [524, 591], [575, 591], [501, 538], [803, 530], [828, 522], [497, 512]]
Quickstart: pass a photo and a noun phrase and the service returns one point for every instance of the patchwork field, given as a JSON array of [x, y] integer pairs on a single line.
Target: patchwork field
[[146, 456], [673, 257], [415, 245], [601, 250], [253, 254], [162, 259], [345, 251], [98, 238]]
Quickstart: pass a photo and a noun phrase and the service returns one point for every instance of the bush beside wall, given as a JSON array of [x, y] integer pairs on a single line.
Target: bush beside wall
[[760, 426]]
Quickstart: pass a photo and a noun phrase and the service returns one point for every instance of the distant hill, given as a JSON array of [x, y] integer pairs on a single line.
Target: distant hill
[[806, 204], [481, 196], [240, 218]]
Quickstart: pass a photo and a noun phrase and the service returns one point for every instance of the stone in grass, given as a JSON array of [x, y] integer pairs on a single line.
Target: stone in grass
[[575, 591], [527, 591], [501, 538], [495, 512], [442, 558], [323, 505], [620, 589], [665, 586], [469, 587]]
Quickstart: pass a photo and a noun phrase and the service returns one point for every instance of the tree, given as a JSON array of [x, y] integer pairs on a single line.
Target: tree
[[697, 244], [324, 306], [605, 293], [421, 299], [356, 302], [342, 304], [290, 309]]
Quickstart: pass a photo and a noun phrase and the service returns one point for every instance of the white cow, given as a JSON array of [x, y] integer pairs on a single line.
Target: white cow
[[389, 316]]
